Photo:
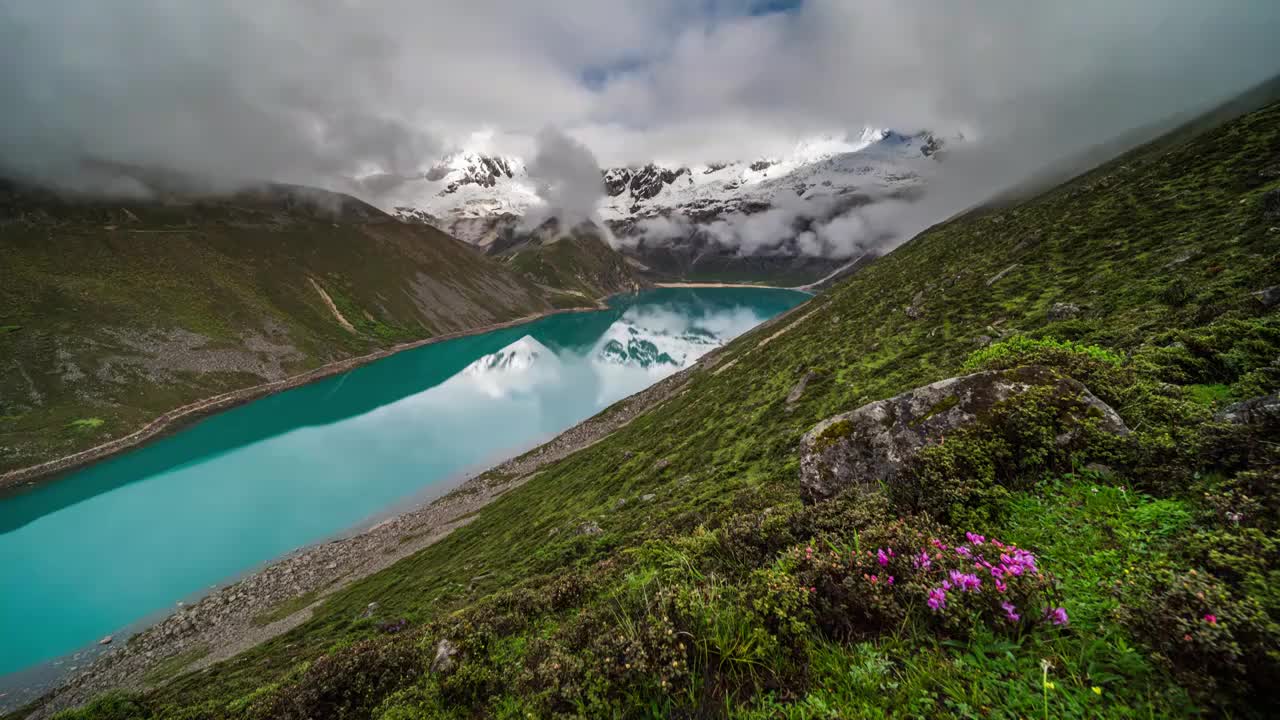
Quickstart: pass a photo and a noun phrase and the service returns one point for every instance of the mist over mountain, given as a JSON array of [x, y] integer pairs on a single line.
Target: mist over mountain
[[322, 93]]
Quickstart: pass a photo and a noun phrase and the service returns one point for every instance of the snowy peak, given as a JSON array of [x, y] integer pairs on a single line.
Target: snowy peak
[[632, 344], [520, 356], [472, 168]]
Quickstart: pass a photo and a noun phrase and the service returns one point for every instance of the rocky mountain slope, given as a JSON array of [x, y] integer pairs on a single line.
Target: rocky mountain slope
[[1030, 557], [114, 312], [699, 222]]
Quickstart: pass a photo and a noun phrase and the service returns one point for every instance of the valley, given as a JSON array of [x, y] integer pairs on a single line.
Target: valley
[[1149, 281], [748, 360]]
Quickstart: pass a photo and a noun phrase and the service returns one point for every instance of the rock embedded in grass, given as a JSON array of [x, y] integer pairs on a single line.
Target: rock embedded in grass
[[877, 441], [1254, 411]]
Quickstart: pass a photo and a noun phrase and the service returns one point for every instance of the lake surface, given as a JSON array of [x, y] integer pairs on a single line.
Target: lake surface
[[90, 553]]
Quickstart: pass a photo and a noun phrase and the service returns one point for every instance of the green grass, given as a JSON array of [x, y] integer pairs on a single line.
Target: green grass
[[706, 576], [1212, 395], [284, 609], [86, 424], [170, 667]]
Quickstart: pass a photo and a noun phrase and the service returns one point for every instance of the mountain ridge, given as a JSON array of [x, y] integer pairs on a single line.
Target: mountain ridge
[[683, 221]]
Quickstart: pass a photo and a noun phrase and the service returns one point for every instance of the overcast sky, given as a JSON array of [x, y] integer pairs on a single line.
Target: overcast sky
[[309, 90]]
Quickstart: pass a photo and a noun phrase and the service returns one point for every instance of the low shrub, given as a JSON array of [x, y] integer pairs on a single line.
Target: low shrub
[[1221, 644], [347, 683], [1103, 371], [903, 570]]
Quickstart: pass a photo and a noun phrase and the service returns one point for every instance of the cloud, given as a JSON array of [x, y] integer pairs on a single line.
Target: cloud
[[566, 177], [317, 91]]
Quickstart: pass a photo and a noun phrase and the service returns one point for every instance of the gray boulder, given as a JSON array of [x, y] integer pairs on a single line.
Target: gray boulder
[[1269, 297], [1064, 311], [443, 661], [1254, 411], [797, 390], [878, 440]]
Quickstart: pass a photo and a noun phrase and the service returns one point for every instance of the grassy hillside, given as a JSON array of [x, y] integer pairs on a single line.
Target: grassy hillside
[[725, 596], [578, 262], [113, 312]]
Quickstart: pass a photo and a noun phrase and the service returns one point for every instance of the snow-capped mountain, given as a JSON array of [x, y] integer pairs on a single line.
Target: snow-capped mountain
[[679, 219], [520, 365], [632, 344]]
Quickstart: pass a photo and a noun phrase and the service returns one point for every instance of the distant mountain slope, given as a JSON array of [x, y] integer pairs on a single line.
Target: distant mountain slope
[[684, 221], [113, 312], [671, 568], [578, 261]]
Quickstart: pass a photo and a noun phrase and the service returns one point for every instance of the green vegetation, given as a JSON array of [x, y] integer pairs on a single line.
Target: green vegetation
[[170, 667], [86, 424], [285, 609], [1147, 579], [579, 264], [130, 309]]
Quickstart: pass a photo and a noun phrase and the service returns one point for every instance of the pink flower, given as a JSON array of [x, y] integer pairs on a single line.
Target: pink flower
[[1010, 612], [881, 557], [890, 581], [873, 578], [963, 551], [967, 582], [974, 538], [937, 599], [1211, 619], [1057, 616], [922, 562]]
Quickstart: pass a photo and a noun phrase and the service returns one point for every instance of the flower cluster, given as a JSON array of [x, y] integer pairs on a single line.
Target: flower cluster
[[1012, 562], [977, 580]]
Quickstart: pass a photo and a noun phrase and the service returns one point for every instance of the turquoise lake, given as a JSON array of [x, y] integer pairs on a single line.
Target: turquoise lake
[[100, 549]]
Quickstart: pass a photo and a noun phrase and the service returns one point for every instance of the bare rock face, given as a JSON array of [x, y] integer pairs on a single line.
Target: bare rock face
[[879, 440]]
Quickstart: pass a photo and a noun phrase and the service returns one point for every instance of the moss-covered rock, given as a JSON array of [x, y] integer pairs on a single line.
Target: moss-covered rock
[[877, 441]]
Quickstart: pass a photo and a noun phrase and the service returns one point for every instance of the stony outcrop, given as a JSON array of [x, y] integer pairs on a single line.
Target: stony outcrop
[[443, 661], [1064, 311], [878, 441], [1269, 297], [1254, 411]]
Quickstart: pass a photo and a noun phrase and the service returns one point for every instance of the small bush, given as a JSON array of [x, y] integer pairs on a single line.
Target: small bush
[[1101, 370], [968, 479], [1222, 645], [348, 683], [111, 706], [902, 570]]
